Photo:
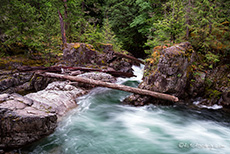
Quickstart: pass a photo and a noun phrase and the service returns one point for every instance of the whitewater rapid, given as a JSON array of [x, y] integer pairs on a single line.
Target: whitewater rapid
[[102, 125]]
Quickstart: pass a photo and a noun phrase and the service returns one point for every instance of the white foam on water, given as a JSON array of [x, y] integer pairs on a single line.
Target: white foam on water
[[137, 71], [213, 107]]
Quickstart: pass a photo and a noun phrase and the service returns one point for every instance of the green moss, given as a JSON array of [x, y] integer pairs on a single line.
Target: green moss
[[213, 93], [179, 75]]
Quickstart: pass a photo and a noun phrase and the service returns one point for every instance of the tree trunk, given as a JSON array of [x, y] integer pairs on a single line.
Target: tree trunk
[[68, 69], [129, 57], [113, 86], [62, 28]]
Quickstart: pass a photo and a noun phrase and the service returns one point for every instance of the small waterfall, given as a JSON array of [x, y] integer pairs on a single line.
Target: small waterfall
[[137, 71]]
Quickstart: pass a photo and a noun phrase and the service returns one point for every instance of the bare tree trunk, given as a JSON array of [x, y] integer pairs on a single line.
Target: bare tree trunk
[[67, 21], [113, 86], [62, 28]]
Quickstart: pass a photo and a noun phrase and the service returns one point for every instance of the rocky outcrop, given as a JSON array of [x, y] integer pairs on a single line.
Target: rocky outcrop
[[167, 72], [25, 119], [81, 54], [14, 79]]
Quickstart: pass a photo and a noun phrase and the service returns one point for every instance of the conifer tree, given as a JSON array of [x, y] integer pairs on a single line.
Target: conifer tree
[[171, 27]]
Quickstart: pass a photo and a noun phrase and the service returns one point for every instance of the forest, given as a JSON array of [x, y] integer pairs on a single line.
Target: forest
[[32, 26]]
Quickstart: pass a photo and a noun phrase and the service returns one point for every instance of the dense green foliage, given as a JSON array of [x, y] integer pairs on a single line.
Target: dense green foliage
[[204, 23], [129, 20], [134, 25]]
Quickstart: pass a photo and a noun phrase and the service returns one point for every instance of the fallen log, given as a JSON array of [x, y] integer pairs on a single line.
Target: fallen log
[[58, 69], [113, 86], [129, 57]]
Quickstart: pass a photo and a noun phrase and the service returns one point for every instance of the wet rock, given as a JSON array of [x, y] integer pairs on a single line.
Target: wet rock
[[175, 71]]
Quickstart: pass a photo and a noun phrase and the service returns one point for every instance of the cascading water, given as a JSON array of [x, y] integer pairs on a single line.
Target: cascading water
[[101, 125]]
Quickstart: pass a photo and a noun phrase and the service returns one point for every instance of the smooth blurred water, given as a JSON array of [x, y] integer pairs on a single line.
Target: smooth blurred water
[[101, 125]]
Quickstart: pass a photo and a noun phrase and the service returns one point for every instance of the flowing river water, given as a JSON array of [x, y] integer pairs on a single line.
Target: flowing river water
[[101, 125]]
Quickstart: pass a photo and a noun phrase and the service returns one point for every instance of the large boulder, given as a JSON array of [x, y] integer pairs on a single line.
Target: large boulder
[[81, 54], [25, 119], [21, 123], [167, 71]]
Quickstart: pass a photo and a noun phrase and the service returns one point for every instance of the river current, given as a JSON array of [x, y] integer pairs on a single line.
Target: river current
[[102, 125]]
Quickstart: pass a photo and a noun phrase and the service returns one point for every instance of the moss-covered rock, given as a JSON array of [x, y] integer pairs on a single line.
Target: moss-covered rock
[[167, 72], [81, 54]]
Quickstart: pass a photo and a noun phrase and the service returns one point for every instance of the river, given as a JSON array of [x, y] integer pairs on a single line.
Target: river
[[101, 125]]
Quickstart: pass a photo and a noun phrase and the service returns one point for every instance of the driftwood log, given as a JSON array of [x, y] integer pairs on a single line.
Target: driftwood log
[[59, 69], [112, 85]]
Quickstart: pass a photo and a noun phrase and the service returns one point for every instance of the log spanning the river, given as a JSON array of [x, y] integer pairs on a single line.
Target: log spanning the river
[[112, 85]]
